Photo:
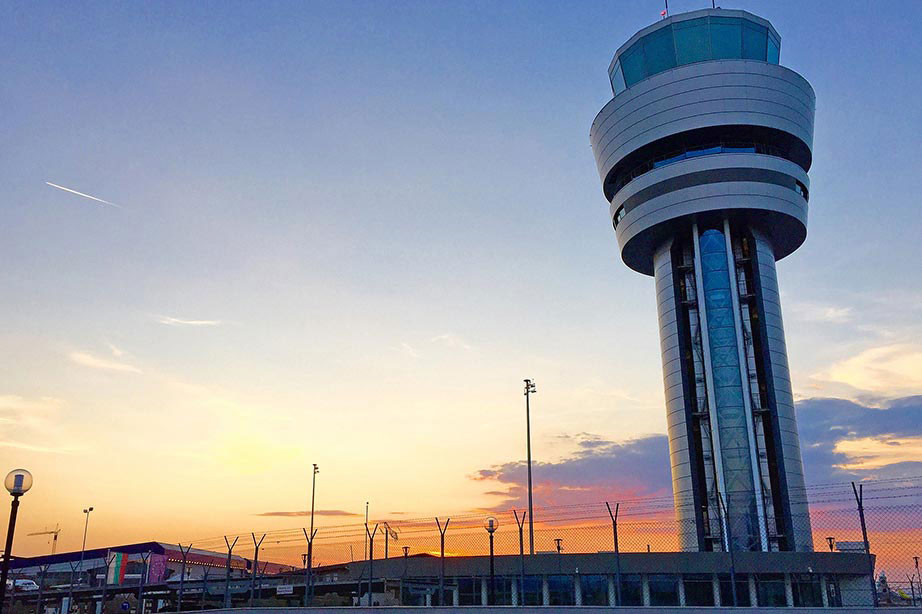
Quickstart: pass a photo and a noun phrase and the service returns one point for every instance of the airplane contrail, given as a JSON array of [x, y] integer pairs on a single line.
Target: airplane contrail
[[60, 187]]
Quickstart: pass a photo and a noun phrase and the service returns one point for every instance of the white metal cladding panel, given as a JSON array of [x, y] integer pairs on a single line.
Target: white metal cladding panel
[[702, 75], [674, 393], [679, 457], [790, 441], [672, 378], [663, 308], [669, 336], [706, 94], [669, 173], [670, 367], [728, 195]]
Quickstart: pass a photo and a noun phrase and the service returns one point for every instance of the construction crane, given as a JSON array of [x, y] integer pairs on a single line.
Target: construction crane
[[54, 540]]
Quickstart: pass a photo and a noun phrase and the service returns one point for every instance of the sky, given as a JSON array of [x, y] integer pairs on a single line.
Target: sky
[[343, 233]]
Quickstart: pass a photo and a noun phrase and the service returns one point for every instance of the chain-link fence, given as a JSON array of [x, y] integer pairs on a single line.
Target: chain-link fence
[[406, 559], [891, 508], [893, 518]]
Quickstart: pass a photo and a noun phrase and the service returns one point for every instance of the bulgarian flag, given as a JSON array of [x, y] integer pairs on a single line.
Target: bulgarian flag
[[117, 568]]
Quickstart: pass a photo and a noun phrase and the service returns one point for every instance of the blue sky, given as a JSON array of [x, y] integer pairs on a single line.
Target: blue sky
[[346, 232]]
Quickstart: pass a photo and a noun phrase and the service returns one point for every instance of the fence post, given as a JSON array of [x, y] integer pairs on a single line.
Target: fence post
[[371, 561], [105, 584], [614, 530], [144, 558], [70, 589], [859, 498], [256, 545], [722, 507], [204, 585], [182, 575], [227, 570], [442, 551], [521, 524], [309, 581], [41, 587]]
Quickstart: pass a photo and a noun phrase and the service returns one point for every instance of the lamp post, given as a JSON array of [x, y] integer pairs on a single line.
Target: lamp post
[[529, 390], [832, 543], [310, 543], [491, 524], [70, 589], [17, 482]]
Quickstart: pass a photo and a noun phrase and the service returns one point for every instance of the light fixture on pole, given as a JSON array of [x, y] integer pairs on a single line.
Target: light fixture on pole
[[529, 390], [17, 482], [70, 589], [310, 542], [491, 524], [832, 543]]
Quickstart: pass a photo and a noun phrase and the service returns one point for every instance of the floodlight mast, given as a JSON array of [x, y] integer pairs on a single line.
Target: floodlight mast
[[529, 390]]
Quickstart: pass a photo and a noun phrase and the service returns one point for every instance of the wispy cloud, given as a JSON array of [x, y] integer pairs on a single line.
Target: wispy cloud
[[451, 340], [26, 420], [815, 312], [86, 359], [99, 200], [116, 351], [170, 321], [17, 445], [308, 513], [409, 350], [888, 370]]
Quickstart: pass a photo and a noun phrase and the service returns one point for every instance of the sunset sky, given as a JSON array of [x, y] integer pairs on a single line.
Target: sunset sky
[[343, 233]]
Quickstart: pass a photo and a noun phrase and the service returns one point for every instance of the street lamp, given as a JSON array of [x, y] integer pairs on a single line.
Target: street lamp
[[529, 390], [17, 482], [491, 524], [832, 543], [70, 589], [310, 543]]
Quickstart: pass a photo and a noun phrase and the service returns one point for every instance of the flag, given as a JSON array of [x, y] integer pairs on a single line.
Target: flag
[[662, 13]]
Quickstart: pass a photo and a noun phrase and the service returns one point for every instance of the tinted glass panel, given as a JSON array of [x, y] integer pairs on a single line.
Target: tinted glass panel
[[534, 594], [771, 591], [725, 38], [807, 591], [617, 79], [660, 51], [594, 590], [631, 590], [754, 37], [742, 590], [632, 64], [692, 43], [664, 590], [774, 50], [699, 590]]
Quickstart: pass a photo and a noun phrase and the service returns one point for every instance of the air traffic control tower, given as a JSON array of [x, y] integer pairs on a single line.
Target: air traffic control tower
[[703, 154]]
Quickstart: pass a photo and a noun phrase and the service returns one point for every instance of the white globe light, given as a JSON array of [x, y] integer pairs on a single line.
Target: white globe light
[[18, 482]]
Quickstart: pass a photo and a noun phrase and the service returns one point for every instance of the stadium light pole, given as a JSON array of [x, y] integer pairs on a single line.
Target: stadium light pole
[[310, 543], [313, 492], [17, 482], [529, 390], [70, 589]]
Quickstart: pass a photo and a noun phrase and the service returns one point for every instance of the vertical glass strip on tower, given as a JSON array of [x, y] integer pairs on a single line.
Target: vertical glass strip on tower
[[739, 484]]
